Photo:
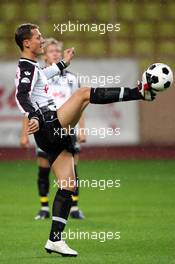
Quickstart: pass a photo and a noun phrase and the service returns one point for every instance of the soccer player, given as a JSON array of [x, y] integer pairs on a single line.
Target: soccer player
[[62, 87], [51, 127]]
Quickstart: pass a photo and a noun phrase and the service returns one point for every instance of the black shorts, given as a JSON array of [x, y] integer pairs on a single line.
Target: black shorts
[[50, 138], [40, 153], [76, 146]]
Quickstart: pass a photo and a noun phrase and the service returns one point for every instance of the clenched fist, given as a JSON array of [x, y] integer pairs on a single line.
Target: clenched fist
[[68, 55]]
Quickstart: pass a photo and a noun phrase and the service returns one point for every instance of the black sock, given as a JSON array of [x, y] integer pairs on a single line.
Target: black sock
[[60, 212], [112, 95], [43, 185], [75, 196]]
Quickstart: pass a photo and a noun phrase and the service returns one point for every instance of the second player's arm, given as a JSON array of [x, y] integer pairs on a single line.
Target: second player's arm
[[24, 139], [81, 135]]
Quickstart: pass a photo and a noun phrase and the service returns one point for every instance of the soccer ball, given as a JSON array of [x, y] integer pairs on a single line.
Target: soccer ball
[[160, 76]]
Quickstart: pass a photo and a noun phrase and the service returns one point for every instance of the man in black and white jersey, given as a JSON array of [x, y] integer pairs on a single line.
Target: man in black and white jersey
[[62, 86], [34, 99]]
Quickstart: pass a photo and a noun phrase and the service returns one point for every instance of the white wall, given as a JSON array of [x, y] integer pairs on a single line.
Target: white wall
[[98, 118]]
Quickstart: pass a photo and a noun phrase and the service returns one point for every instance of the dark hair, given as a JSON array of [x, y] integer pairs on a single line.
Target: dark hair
[[24, 32]]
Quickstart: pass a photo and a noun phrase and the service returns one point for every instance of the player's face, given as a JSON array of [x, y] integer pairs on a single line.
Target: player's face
[[53, 54], [35, 44]]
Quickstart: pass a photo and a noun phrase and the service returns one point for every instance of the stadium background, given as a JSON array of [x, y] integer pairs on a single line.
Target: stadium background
[[146, 36], [143, 208]]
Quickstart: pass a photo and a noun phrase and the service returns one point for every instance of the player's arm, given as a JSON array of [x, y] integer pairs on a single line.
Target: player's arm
[[24, 139], [81, 135], [24, 85], [56, 68]]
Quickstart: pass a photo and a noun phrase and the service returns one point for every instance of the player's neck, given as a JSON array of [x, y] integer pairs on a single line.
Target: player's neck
[[28, 55]]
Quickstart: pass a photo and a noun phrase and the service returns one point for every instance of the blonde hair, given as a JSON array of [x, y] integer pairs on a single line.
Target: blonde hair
[[52, 41]]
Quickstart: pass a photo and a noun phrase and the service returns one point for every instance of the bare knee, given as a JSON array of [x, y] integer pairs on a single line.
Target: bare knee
[[64, 171], [69, 184], [43, 162], [84, 93], [66, 183]]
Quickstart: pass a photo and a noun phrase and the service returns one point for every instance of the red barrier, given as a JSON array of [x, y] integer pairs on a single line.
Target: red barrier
[[97, 153]]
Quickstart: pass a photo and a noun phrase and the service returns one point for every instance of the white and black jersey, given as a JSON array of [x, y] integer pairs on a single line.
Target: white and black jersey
[[63, 86], [32, 87]]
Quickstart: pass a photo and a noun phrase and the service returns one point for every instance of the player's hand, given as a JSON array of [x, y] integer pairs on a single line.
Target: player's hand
[[145, 89], [33, 126], [68, 55], [24, 141], [81, 138]]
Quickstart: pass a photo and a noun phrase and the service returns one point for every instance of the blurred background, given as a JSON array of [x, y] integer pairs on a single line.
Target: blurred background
[[147, 35]]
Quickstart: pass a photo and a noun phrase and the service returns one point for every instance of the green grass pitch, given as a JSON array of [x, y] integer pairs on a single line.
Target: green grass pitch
[[142, 210]]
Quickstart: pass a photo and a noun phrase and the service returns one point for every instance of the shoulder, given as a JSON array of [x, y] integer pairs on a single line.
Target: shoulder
[[70, 74], [26, 65], [73, 80], [26, 71]]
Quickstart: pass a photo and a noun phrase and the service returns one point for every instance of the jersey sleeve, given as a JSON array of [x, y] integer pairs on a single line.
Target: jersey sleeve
[[51, 71], [54, 69], [26, 78]]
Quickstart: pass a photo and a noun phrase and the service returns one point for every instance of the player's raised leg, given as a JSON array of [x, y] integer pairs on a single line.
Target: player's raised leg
[[70, 112]]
